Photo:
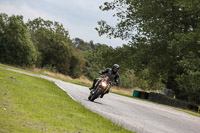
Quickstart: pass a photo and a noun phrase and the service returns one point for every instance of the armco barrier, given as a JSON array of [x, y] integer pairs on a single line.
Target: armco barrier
[[193, 107], [159, 98], [143, 95]]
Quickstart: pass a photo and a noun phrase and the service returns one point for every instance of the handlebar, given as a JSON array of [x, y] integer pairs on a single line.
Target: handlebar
[[112, 83]]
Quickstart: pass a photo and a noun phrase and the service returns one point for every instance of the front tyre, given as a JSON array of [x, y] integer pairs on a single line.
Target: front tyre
[[95, 95], [89, 96]]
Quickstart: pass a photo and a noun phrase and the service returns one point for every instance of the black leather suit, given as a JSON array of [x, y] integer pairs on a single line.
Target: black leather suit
[[113, 76]]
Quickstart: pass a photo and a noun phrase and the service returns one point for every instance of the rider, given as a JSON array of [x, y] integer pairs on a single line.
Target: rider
[[111, 73]]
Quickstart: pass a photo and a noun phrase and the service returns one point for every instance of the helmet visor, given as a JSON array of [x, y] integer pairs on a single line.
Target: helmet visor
[[115, 69]]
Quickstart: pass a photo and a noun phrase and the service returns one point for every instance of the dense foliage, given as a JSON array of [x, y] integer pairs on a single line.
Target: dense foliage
[[167, 43], [15, 45]]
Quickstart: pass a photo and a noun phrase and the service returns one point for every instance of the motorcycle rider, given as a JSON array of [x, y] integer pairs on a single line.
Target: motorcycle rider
[[111, 73]]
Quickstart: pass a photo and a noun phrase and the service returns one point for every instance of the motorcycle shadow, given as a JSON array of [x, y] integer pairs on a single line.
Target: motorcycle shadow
[[94, 102]]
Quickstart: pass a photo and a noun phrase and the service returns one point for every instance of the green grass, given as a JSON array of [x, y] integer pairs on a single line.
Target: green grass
[[40, 73], [18, 68], [31, 104], [186, 111]]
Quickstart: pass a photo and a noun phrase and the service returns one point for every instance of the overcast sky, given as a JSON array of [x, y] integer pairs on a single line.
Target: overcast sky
[[79, 17]]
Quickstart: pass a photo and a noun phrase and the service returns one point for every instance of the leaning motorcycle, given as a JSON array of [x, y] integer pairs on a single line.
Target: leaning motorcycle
[[101, 87]]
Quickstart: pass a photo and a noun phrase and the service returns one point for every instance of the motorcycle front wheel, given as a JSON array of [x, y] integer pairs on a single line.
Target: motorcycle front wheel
[[92, 97]]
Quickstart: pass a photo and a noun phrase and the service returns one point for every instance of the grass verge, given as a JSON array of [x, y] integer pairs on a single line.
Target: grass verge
[[81, 81], [31, 104]]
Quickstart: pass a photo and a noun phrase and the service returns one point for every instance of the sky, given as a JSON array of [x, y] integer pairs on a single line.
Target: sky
[[79, 17]]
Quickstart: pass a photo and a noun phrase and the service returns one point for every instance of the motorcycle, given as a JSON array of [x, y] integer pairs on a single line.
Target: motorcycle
[[101, 87]]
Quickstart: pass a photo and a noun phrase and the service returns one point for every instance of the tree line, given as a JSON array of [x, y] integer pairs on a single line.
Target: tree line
[[39, 43]]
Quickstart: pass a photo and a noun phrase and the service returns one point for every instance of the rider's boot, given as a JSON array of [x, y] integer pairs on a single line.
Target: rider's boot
[[92, 85]]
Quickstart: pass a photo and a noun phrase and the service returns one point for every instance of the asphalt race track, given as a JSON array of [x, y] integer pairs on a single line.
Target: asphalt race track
[[132, 114]]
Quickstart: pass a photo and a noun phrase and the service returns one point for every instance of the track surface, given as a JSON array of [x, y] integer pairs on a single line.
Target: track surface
[[132, 114]]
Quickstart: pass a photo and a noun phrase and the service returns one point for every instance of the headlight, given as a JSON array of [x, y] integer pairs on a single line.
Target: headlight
[[104, 84]]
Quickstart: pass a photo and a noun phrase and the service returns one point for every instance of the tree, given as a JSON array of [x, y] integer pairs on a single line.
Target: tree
[[83, 46], [56, 50], [167, 31], [16, 47]]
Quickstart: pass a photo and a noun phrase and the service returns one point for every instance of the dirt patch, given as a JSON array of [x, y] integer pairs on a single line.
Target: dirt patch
[[13, 79], [124, 91], [82, 79], [34, 125]]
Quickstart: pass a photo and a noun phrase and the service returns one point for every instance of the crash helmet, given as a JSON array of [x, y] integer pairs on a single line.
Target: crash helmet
[[115, 68]]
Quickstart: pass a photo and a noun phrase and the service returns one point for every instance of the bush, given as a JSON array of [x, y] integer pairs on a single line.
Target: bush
[[77, 64], [126, 80]]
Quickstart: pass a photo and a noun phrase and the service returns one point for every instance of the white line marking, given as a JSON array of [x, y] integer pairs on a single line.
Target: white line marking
[[65, 91]]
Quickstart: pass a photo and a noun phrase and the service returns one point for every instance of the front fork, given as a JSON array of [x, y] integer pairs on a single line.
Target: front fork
[[96, 86], [107, 89]]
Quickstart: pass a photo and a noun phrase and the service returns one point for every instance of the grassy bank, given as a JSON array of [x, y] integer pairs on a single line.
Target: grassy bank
[[31, 104]]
